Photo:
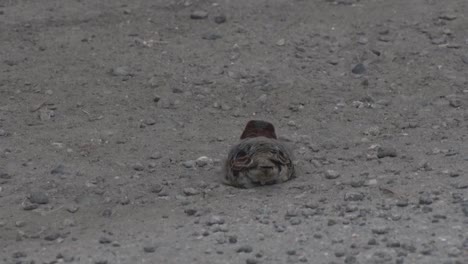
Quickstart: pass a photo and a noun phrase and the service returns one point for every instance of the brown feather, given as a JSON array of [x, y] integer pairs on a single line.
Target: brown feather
[[258, 128]]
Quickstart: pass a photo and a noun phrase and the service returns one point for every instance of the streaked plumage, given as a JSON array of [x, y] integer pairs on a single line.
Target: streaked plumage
[[259, 158]]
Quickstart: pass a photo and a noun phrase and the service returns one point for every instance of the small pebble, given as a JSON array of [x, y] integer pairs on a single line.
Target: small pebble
[[121, 71], [138, 166], [60, 169], [156, 188], [331, 174], [281, 42], [52, 236], [203, 161], [72, 208], [215, 220], [448, 16], [156, 155], [104, 240], [244, 249], [199, 14], [190, 211], [380, 230], [251, 261], [191, 191], [232, 239], [149, 249], [38, 197], [359, 69], [425, 199], [354, 196], [220, 19], [383, 152]]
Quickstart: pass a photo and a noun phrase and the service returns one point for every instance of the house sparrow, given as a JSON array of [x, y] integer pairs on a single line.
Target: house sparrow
[[259, 158]]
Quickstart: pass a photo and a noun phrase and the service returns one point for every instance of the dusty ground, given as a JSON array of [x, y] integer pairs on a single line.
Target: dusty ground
[[105, 106]]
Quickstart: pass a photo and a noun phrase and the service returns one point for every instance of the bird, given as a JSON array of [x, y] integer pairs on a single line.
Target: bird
[[259, 158]]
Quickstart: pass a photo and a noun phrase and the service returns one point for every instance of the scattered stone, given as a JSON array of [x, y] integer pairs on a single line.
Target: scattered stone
[[331, 174], [363, 40], [232, 239], [156, 188], [121, 71], [402, 203], [380, 230], [448, 16], [295, 221], [383, 152], [72, 208], [220, 19], [104, 240], [38, 197], [30, 206], [281, 42], [359, 69], [203, 161], [425, 198], [333, 61], [52, 236], [455, 102], [138, 166], [191, 191], [149, 249], [150, 121], [199, 14], [354, 196], [60, 169], [190, 211], [251, 261], [215, 220], [156, 155], [244, 249]]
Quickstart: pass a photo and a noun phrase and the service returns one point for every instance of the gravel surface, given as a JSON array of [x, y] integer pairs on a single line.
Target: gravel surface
[[115, 118]]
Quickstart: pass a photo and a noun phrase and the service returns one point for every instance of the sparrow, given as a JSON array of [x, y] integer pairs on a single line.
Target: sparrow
[[259, 158]]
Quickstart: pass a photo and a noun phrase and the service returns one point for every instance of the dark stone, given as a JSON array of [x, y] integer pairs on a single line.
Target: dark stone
[[220, 19], [38, 197], [383, 152], [359, 69]]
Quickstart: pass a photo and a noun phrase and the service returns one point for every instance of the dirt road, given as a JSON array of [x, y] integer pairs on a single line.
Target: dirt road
[[105, 107]]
